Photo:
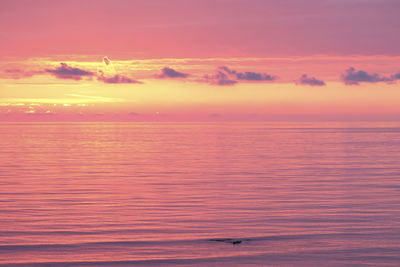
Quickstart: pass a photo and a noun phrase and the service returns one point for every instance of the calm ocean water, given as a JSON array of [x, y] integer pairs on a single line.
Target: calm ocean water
[[167, 194]]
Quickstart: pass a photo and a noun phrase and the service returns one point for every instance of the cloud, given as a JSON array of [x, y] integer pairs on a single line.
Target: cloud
[[18, 73], [106, 60], [354, 77], [107, 74], [227, 76], [171, 73], [249, 75], [220, 78], [312, 81], [67, 72], [395, 77], [116, 79]]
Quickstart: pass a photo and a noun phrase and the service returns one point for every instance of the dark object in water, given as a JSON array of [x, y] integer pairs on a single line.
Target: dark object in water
[[228, 240]]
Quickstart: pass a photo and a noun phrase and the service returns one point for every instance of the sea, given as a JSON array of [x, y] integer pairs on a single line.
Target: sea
[[199, 194]]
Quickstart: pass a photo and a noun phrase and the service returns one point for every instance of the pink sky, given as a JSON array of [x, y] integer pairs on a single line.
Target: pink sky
[[199, 60]]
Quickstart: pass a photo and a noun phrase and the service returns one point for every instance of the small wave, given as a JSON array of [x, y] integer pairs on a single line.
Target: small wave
[[152, 243], [98, 232], [337, 257]]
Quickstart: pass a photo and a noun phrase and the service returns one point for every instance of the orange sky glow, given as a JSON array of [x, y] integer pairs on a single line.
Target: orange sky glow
[[191, 61]]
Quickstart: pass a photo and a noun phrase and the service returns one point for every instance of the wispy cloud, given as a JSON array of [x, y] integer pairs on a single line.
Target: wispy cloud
[[93, 98], [117, 79], [171, 73], [18, 73], [69, 100], [312, 81]]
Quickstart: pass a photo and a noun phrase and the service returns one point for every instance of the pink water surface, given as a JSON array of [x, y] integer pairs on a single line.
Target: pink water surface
[[120, 194]]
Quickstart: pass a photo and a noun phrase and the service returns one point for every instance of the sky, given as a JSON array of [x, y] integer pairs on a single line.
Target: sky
[[209, 60]]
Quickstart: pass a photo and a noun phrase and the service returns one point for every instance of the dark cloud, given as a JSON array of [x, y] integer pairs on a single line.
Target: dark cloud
[[67, 72], [117, 79], [312, 81], [171, 73], [254, 76], [227, 76], [248, 75], [395, 77], [354, 77], [220, 78]]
